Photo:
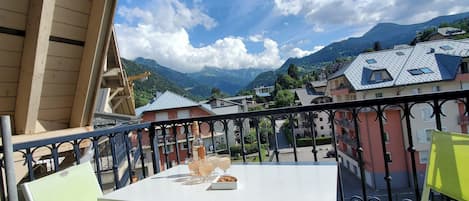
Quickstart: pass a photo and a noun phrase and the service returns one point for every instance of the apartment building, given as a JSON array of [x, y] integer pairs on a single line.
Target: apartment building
[[424, 68]]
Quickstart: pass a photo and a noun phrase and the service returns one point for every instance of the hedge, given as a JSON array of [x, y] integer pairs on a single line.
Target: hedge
[[250, 148], [306, 142]]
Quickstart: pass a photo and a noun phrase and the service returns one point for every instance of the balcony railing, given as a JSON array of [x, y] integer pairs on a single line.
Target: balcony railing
[[131, 142]]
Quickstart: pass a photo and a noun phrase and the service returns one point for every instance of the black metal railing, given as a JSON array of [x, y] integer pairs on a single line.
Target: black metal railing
[[127, 145]]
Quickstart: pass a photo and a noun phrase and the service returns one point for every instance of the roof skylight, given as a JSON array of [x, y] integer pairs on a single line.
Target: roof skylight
[[371, 61], [446, 47], [419, 71], [400, 53]]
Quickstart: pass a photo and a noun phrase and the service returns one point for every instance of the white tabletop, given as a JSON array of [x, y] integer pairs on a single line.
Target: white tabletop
[[270, 182]]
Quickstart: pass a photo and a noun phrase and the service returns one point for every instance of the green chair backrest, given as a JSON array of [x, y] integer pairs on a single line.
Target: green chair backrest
[[447, 168], [76, 183]]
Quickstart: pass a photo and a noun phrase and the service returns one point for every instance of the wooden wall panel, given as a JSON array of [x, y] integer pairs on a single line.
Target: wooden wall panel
[[82, 6], [7, 104], [60, 77], [58, 90], [13, 20], [54, 114], [9, 74], [11, 59], [63, 64], [11, 42], [68, 31], [8, 89], [67, 16], [20, 6], [65, 50], [56, 102]]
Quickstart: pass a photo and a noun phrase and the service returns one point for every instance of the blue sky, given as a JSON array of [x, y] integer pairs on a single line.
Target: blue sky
[[187, 35]]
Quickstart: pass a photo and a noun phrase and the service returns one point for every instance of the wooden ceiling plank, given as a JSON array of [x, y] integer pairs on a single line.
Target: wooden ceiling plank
[[33, 64]]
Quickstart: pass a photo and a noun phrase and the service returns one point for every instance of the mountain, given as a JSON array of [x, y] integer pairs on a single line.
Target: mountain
[[144, 91], [387, 34], [264, 79], [182, 79], [229, 81]]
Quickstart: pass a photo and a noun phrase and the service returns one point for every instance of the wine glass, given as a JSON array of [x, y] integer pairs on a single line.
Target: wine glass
[[215, 161], [205, 168], [193, 167], [224, 163]]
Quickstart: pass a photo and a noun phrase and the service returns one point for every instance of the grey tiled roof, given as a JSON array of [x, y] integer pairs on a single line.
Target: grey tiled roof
[[443, 63], [169, 100]]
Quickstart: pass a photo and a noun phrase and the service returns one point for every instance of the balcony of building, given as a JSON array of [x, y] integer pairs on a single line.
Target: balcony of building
[[118, 153]]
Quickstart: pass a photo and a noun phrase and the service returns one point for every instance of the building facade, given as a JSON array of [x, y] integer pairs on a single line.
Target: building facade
[[425, 68]]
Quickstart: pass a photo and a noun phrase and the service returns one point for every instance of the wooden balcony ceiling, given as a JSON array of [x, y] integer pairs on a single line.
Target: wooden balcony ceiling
[[52, 53]]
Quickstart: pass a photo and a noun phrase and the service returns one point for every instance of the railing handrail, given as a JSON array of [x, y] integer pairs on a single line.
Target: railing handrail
[[277, 111]]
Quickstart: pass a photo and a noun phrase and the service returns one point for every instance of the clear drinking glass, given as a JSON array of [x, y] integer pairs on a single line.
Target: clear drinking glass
[[193, 167], [205, 168], [224, 163]]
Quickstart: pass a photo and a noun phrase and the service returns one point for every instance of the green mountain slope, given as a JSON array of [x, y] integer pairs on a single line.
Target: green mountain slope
[[145, 90]]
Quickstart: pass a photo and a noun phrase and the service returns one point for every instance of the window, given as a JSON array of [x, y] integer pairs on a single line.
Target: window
[[320, 119], [425, 137], [184, 146], [161, 116], [322, 127], [371, 61], [388, 157], [183, 114], [380, 76], [436, 88], [427, 114], [416, 91], [386, 137], [423, 157], [169, 148], [464, 68], [446, 47], [426, 70], [400, 53], [415, 71], [379, 95]]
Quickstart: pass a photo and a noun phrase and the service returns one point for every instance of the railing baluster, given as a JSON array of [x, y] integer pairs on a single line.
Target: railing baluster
[[292, 126], [2, 184], [212, 134], [76, 150], [272, 123], [360, 153], [165, 151], [388, 177], [29, 160], [258, 137], [125, 137], [437, 113], [186, 132], [225, 128], [97, 160], [175, 134], [155, 155], [55, 156], [115, 162], [241, 134], [313, 134], [142, 154], [334, 144], [411, 150]]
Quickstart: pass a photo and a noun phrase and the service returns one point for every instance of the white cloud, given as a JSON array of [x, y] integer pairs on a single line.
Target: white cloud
[[161, 33], [323, 13], [294, 52]]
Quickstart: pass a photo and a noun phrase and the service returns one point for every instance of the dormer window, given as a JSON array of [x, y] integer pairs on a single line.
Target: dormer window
[[464, 68], [446, 47], [378, 76], [371, 61], [400, 53]]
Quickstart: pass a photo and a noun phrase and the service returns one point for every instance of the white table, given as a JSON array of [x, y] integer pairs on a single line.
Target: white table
[[269, 182]]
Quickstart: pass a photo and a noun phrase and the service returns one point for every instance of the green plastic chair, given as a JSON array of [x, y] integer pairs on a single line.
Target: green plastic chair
[[76, 183], [448, 161]]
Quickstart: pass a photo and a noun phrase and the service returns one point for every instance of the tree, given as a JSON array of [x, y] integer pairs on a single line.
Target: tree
[[293, 71], [217, 93], [287, 82], [284, 98]]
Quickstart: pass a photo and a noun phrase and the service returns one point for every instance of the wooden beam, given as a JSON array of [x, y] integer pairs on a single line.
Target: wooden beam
[[93, 62], [33, 64], [116, 91]]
